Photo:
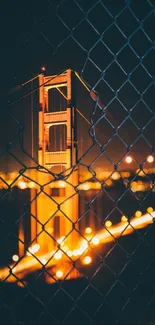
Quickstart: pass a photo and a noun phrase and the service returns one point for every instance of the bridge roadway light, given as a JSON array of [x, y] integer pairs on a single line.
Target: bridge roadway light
[[108, 224], [138, 214], [124, 219], [15, 258], [149, 209]]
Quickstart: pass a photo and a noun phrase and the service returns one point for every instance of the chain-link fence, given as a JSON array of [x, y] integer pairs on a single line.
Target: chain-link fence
[[77, 162]]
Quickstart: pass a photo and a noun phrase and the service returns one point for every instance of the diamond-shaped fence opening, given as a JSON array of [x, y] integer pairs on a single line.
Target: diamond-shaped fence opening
[[77, 162]]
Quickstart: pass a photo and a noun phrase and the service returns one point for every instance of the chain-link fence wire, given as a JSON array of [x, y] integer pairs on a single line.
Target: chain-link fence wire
[[111, 45]]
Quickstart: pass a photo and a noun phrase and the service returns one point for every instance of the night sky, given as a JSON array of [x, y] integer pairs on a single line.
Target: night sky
[[111, 45]]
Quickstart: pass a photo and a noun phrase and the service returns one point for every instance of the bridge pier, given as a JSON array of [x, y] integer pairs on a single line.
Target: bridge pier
[[56, 204]]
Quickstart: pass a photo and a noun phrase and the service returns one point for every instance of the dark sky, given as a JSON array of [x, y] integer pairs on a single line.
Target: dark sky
[[110, 43]]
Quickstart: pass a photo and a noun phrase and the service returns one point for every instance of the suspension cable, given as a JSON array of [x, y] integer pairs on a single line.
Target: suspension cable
[[92, 93], [34, 90], [83, 117], [61, 92], [84, 84], [33, 78]]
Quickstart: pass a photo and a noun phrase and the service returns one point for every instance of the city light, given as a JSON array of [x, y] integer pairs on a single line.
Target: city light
[[125, 174], [15, 258], [87, 260], [59, 274], [108, 182], [150, 159], [115, 176], [128, 159], [22, 185]]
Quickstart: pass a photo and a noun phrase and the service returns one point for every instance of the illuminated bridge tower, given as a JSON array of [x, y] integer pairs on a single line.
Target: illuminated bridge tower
[[49, 203]]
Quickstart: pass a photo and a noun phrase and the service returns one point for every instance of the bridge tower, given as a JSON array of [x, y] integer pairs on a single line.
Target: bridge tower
[[56, 205]]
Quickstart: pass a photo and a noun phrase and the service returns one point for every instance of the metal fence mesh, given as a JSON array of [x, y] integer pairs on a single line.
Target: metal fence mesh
[[111, 45]]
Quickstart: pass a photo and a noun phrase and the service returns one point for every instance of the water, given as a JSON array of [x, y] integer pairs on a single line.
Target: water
[[119, 286], [95, 207]]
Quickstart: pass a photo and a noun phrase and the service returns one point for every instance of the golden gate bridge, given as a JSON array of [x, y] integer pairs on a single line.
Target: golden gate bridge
[[54, 197]]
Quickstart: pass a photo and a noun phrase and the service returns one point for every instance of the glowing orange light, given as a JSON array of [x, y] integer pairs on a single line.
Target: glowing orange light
[[86, 187], [150, 159], [97, 185], [115, 176], [128, 159], [13, 175], [33, 249], [15, 258], [88, 230], [50, 230], [125, 174], [9, 181], [31, 184], [61, 184], [83, 247], [75, 252], [104, 236], [95, 241], [87, 260], [59, 274], [133, 184], [138, 214], [108, 224], [22, 185], [61, 240], [124, 219], [108, 182], [43, 261], [58, 255], [149, 209], [69, 253]]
